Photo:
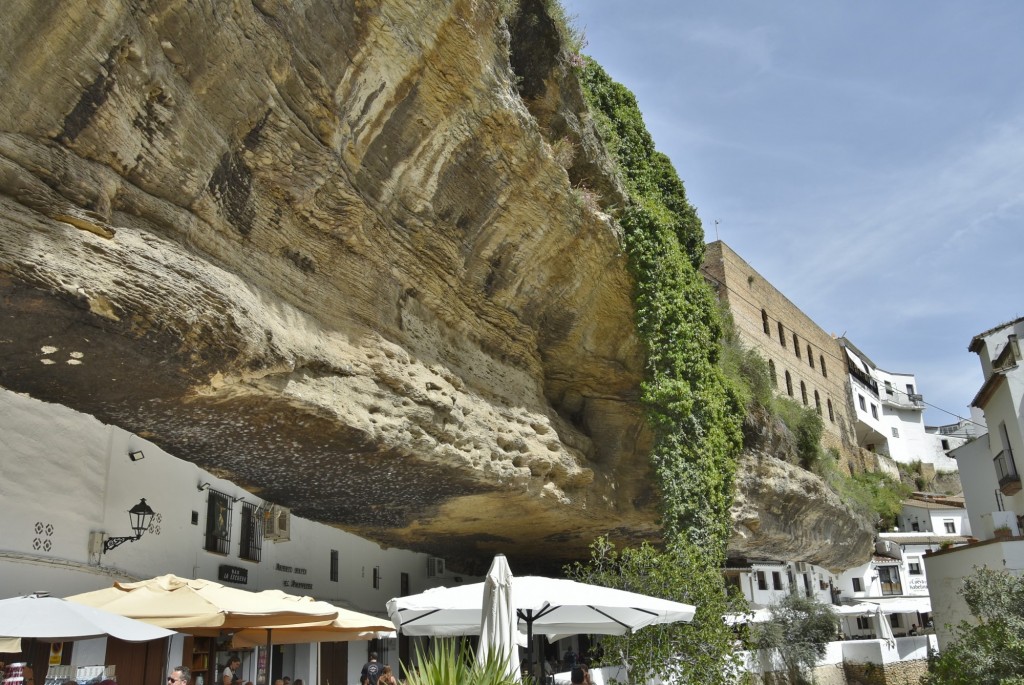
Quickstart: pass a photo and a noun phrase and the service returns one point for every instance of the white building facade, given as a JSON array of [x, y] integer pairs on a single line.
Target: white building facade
[[70, 480], [989, 471], [889, 413]]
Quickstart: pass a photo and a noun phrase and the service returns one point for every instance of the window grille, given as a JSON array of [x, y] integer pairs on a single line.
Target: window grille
[[218, 522], [250, 544]]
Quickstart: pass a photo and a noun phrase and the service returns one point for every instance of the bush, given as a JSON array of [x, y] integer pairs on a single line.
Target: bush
[[453, 663], [806, 426]]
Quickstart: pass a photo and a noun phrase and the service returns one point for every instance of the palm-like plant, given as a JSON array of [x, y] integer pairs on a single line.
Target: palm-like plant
[[448, 663]]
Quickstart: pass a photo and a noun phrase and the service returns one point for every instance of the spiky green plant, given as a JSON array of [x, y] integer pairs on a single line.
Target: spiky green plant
[[451, 662]]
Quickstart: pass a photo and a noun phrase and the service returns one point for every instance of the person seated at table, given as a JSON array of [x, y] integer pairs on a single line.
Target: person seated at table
[[913, 629]]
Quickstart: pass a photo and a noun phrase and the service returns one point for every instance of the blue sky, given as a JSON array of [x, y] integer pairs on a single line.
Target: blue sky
[[866, 157]]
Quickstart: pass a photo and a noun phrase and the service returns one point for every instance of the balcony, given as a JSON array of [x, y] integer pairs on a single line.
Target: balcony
[[864, 378], [1006, 473], [902, 400]]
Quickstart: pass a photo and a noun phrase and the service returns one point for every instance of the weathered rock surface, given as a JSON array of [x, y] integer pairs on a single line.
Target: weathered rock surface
[[325, 249]]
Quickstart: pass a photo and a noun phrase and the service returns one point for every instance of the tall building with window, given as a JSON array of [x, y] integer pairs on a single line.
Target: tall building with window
[[990, 472], [889, 414], [806, 363]]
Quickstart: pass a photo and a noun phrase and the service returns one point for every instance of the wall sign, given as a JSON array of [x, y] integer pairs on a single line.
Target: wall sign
[[233, 574]]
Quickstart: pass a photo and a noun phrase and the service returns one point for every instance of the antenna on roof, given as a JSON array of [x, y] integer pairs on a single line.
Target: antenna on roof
[[716, 230]]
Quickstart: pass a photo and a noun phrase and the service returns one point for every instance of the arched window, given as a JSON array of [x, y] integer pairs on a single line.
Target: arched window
[[817, 402], [821, 360], [789, 384], [771, 372], [764, 322], [796, 345], [803, 392], [810, 356], [782, 335], [831, 414]]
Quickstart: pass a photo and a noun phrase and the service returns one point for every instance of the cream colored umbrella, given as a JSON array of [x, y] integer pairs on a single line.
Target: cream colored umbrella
[[349, 625], [202, 607]]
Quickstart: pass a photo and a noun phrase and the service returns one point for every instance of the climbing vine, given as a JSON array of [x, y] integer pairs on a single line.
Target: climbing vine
[[694, 410]]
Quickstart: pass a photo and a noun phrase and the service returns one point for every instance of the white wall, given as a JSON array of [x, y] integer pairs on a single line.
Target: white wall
[[948, 568], [67, 475]]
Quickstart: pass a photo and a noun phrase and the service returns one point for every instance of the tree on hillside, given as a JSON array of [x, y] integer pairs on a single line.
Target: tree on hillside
[[702, 651], [991, 651], [798, 632]]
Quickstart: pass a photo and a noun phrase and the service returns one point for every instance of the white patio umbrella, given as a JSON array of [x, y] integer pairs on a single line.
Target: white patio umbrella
[[545, 606], [499, 624], [52, 619]]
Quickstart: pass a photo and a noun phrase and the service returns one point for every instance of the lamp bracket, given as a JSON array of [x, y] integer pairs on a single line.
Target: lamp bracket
[[112, 543]]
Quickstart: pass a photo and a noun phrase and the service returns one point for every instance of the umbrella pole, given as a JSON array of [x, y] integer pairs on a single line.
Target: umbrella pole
[[529, 642], [270, 652]]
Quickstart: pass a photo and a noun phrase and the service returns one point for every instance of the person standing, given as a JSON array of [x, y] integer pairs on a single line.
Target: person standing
[[181, 675], [387, 677], [371, 671], [228, 676]]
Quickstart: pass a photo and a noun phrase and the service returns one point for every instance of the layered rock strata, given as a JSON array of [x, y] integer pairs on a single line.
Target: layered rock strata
[[326, 250]]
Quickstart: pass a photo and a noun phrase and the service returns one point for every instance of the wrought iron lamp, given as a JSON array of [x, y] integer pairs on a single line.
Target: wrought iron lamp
[[141, 516]]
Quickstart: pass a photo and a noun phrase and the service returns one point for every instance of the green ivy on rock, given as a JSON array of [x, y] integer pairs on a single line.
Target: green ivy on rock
[[694, 410]]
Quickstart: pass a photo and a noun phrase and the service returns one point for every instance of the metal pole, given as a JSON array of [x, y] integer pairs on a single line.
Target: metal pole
[[267, 677], [529, 643]]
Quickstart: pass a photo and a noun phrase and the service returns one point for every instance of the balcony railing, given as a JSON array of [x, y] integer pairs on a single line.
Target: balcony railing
[[1006, 473], [864, 378]]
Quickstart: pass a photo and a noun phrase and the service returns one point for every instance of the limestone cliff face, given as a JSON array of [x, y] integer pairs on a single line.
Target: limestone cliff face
[[327, 250]]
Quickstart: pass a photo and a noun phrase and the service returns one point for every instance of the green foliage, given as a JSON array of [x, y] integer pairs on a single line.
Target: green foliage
[[806, 426], [875, 495], [450, 662], [695, 412], [798, 631], [744, 368], [696, 652], [990, 652]]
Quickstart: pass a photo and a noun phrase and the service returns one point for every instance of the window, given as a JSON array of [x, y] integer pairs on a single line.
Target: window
[[950, 526], [915, 526], [250, 543], [334, 565], [821, 363], [810, 356], [914, 567], [218, 523], [764, 322], [910, 389], [803, 392], [817, 402], [858, 585], [860, 401], [404, 580], [945, 444], [894, 620], [874, 411], [888, 388], [771, 371], [376, 577], [796, 345], [831, 414], [782, 335], [895, 430], [776, 580], [789, 384], [889, 577], [863, 623], [762, 581]]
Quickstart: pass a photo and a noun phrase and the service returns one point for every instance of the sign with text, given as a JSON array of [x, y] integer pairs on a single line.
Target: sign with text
[[233, 574]]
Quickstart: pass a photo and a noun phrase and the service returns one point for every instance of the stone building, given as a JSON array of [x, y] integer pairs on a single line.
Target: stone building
[[807, 364]]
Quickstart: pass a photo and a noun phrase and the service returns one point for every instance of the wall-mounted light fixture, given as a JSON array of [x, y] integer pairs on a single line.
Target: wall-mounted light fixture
[[141, 516], [202, 486], [136, 455]]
